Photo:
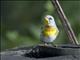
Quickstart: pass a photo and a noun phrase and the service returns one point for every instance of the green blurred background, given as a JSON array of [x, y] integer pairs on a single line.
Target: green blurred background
[[21, 22]]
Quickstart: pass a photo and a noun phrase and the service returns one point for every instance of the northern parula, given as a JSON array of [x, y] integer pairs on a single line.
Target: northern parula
[[49, 30]]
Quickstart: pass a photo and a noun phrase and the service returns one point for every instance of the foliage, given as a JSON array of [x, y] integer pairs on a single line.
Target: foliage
[[21, 21]]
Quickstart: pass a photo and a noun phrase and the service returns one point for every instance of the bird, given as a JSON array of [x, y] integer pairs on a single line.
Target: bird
[[49, 30]]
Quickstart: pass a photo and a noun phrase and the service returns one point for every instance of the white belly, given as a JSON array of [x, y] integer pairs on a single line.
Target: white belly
[[48, 39]]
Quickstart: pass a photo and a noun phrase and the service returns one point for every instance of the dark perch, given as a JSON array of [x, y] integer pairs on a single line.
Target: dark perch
[[43, 53]]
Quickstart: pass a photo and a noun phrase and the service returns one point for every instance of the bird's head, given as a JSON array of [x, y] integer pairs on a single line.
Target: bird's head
[[49, 20]]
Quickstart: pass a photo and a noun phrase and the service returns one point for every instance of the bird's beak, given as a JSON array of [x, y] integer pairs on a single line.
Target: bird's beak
[[46, 21]]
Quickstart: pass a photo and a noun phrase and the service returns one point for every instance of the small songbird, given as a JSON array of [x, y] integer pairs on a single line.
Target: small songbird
[[49, 30]]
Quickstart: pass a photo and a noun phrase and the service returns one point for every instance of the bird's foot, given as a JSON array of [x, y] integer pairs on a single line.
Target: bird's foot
[[54, 45]]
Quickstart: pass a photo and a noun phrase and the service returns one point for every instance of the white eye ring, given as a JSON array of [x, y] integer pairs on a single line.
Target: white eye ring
[[50, 18]]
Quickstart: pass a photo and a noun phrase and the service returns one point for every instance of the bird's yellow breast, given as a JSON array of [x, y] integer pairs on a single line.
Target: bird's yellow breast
[[49, 31]]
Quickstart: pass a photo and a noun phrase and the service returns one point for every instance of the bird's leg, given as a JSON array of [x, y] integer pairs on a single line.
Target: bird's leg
[[54, 45], [45, 44]]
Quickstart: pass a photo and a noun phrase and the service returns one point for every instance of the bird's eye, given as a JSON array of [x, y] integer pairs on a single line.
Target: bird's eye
[[50, 18]]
